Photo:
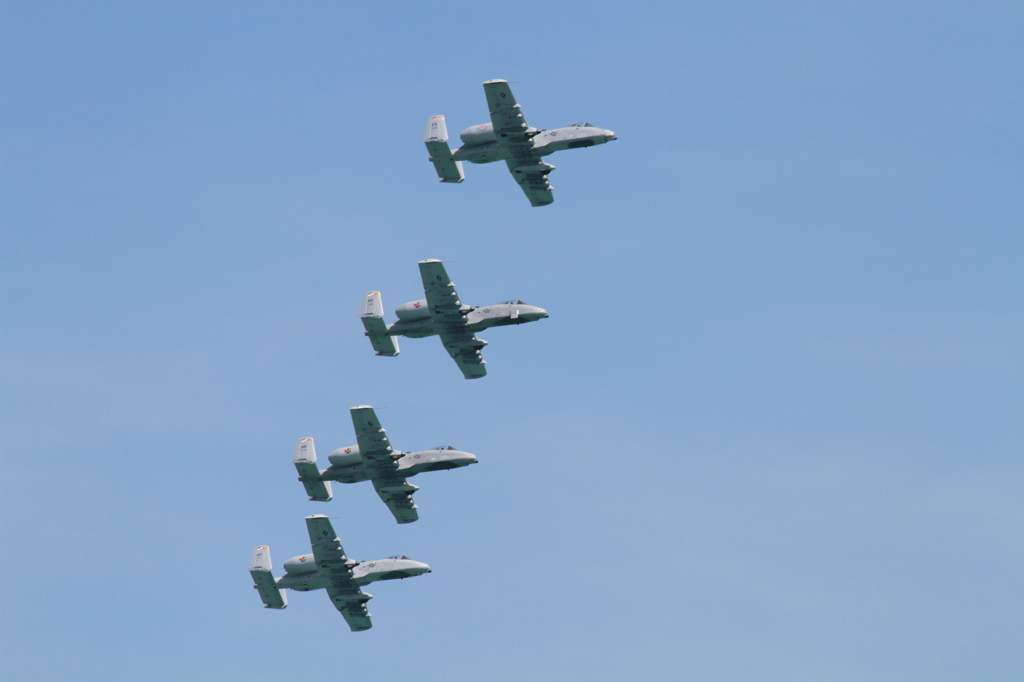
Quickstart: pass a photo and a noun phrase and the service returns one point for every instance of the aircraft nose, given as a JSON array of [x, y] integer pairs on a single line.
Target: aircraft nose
[[611, 135], [464, 458]]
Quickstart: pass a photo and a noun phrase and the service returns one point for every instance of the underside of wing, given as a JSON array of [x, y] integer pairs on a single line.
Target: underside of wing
[[449, 316], [465, 350], [506, 115], [532, 176], [442, 299], [396, 492], [351, 603], [374, 446], [328, 553]]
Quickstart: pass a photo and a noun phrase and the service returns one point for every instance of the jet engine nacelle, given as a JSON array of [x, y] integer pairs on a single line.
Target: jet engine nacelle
[[481, 134], [344, 457], [298, 565], [413, 310]]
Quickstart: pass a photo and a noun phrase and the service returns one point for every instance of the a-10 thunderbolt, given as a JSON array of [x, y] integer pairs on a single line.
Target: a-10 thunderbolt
[[508, 138], [442, 314], [328, 568], [373, 459]]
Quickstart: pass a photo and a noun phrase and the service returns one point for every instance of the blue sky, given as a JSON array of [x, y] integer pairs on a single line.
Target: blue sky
[[772, 429]]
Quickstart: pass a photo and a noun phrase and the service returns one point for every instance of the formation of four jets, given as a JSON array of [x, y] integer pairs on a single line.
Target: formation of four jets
[[441, 313]]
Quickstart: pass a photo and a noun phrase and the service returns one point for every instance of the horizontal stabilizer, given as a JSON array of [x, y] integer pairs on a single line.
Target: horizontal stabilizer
[[263, 579], [372, 315], [436, 139], [305, 463]]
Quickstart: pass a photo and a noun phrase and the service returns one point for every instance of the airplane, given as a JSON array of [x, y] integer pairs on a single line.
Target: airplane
[[374, 460], [507, 138], [328, 568], [442, 314]]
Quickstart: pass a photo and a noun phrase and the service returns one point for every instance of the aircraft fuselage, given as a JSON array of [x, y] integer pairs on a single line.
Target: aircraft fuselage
[[301, 574], [544, 142], [409, 464], [477, 320]]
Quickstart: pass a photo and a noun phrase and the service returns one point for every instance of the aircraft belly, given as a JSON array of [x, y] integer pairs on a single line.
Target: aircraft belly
[[304, 583], [420, 333], [415, 466], [490, 158], [488, 154], [347, 476], [481, 325], [409, 467], [557, 146]]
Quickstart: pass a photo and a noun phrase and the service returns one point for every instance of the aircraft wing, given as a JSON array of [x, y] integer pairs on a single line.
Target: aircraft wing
[[328, 553], [465, 350], [442, 299], [379, 457], [532, 176], [332, 563], [374, 446], [396, 492], [512, 132], [506, 115], [352, 605], [449, 317]]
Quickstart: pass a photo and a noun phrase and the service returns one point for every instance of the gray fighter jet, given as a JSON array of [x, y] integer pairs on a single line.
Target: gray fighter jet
[[507, 138], [373, 459], [328, 568], [442, 314]]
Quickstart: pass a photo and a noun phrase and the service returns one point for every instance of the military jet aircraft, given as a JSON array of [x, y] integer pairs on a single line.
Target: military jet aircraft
[[507, 138], [442, 314], [374, 460], [328, 568]]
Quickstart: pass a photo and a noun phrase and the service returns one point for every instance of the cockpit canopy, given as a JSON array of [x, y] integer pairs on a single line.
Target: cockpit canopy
[[581, 125], [400, 556], [515, 302], [443, 447]]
